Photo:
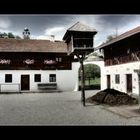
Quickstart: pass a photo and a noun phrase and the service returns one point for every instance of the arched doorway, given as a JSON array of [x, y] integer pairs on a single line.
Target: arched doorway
[[92, 76]]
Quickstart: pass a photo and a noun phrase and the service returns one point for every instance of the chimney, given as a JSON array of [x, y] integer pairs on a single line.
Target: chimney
[[52, 38]]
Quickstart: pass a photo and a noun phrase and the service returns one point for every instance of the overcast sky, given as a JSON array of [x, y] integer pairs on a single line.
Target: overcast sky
[[41, 26]]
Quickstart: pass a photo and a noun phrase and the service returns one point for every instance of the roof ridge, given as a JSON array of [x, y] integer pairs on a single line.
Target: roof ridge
[[128, 31], [121, 36], [30, 39], [73, 25], [81, 24]]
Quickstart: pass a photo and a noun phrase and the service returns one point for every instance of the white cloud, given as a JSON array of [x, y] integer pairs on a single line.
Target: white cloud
[[6, 31], [42, 37], [58, 32], [130, 26], [45, 37], [5, 23], [54, 30]]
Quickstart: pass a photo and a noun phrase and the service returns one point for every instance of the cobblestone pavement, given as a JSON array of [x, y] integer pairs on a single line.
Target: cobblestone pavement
[[62, 108]]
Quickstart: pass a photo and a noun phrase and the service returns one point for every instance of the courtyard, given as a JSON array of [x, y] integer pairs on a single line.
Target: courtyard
[[63, 108]]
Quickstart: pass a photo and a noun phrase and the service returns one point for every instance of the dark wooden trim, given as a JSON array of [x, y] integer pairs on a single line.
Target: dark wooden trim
[[17, 61]]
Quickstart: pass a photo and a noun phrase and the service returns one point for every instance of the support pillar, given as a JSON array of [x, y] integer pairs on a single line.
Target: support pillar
[[139, 89], [81, 60], [82, 83], [138, 73]]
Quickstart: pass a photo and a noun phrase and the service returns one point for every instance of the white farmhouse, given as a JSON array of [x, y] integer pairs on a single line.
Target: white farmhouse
[[28, 65], [121, 58]]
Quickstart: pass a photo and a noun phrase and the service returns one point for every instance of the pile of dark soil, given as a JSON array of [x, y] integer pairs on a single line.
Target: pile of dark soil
[[112, 97]]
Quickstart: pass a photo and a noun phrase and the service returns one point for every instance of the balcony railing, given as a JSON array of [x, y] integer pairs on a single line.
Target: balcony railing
[[132, 57], [82, 46]]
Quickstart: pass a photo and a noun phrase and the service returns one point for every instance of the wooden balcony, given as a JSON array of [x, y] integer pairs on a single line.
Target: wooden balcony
[[127, 58], [81, 50]]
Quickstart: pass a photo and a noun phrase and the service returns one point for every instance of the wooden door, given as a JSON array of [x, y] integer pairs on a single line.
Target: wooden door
[[25, 82], [129, 83], [108, 81]]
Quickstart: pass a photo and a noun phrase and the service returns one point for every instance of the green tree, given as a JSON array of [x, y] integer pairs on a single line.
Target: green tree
[[0, 35], [4, 34], [11, 35], [91, 72], [110, 37], [17, 37]]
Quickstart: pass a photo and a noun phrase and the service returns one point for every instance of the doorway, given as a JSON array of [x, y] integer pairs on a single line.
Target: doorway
[[25, 82], [108, 81], [129, 83]]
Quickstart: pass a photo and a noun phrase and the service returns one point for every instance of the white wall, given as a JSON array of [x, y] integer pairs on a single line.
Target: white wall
[[66, 79], [77, 66], [122, 69]]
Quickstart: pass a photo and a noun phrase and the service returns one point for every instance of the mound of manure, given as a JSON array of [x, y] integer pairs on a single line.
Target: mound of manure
[[112, 97]]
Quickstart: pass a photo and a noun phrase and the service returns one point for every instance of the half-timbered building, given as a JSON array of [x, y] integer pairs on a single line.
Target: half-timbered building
[[121, 58]]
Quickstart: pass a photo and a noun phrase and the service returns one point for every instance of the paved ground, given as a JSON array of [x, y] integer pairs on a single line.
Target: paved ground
[[61, 109]]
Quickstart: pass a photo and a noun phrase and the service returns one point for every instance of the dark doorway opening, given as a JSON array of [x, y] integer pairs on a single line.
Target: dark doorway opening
[[108, 81], [25, 82], [129, 83]]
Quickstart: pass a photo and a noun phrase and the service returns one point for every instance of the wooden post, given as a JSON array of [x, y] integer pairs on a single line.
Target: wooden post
[[81, 60], [82, 83], [138, 73]]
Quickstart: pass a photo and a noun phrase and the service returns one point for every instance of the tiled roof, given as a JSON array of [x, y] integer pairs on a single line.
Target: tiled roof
[[121, 37], [81, 27], [22, 45]]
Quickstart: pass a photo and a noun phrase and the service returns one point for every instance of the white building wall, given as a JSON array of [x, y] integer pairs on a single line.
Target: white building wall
[[122, 70], [69, 78], [66, 79], [76, 67]]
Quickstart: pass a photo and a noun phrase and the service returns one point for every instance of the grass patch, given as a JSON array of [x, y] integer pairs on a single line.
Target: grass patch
[[94, 84], [95, 81]]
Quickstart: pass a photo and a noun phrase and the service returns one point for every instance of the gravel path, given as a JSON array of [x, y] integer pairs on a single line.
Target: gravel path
[[56, 109]]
